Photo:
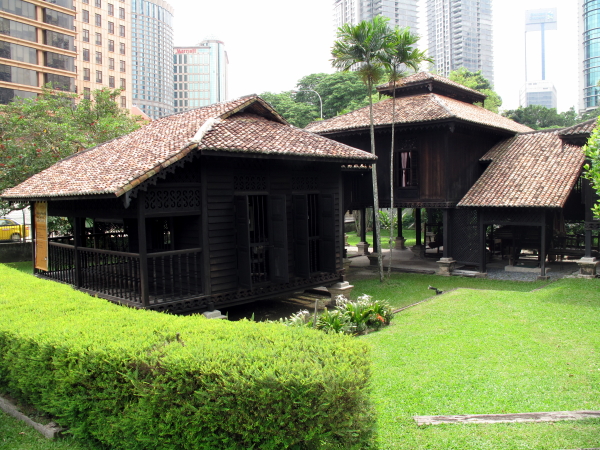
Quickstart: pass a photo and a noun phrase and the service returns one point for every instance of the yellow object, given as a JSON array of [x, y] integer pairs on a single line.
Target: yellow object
[[12, 231]]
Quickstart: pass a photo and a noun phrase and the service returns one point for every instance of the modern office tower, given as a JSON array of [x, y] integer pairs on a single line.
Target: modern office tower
[[541, 93], [537, 90], [402, 13], [200, 75], [152, 56], [460, 35], [36, 47], [589, 54], [104, 47]]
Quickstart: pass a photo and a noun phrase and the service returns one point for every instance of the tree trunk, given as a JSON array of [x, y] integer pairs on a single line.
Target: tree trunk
[[392, 178], [377, 232]]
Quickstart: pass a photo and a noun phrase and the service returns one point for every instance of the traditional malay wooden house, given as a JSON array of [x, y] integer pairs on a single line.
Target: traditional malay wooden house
[[479, 168], [212, 207]]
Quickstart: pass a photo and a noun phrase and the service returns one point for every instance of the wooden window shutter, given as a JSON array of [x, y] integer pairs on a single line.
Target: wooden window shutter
[[414, 168], [301, 250], [328, 235], [278, 239], [243, 241]]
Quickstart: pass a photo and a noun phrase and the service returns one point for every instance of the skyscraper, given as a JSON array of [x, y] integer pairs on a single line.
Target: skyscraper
[[152, 56], [103, 45], [589, 54], [402, 13], [200, 75], [36, 47], [460, 35]]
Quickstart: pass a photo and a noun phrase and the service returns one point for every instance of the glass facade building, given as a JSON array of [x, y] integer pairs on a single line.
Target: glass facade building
[[152, 57], [402, 13], [541, 93], [589, 32], [200, 77], [459, 34], [27, 29]]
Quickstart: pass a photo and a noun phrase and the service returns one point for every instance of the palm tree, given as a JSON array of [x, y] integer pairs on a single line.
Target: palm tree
[[402, 55], [364, 47]]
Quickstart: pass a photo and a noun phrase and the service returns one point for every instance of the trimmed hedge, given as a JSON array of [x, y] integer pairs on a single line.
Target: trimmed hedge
[[137, 379]]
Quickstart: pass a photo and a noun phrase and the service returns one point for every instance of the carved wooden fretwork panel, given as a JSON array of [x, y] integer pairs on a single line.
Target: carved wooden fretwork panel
[[189, 173], [250, 183], [305, 183], [406, 145], [173, 199]]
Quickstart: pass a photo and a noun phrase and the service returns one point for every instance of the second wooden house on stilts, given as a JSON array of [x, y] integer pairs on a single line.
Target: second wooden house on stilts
[[209, 208]]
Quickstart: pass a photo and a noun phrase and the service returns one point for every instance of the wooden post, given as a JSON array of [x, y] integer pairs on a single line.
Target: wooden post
[[588, 244], [33, 236], [142, 250], [446, 237], [363, 225], [399, 232], [418, 225], [543, 247], [482, 230], [78, 225], [376, 243]]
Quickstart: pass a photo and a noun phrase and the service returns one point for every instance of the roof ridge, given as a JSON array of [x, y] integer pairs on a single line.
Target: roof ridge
[[440, 102]]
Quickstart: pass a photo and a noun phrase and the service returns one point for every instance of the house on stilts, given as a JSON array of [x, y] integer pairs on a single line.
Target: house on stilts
[[204, 209], [497, 185]]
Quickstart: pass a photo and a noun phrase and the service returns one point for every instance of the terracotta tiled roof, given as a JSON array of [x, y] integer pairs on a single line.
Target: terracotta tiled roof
[[421, 108], [245, 125], [423, 77], [581, 128], [527, 170]]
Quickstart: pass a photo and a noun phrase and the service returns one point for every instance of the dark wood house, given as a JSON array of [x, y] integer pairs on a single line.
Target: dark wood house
[[478, 168], [209, 208]]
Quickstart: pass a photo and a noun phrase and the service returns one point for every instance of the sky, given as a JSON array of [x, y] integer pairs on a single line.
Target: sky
[[271, 44]]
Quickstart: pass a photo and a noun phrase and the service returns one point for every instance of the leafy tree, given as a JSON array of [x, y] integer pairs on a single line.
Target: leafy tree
[[402, 55], [539, 117], [35, 133], [592, 167], [297, 113], [475, 80], [365, 47]]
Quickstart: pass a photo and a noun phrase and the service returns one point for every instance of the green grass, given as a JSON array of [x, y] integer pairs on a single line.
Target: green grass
[[409, 235], [25, 266], [495, 351]]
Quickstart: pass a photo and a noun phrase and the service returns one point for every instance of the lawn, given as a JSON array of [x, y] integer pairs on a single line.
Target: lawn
[[409, 235], [485, 346], [495, 351]]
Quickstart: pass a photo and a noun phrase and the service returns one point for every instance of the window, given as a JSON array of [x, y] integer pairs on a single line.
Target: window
[[122, 66], [60, 82], [86, 74], [98, 57], [85, 16], [111, 45], [111, 63], [111, 81], [123, 102], [122, 48], [122, 85], [122, 30], [98, 76], [407, 169], [18, 30], [98, 20], [87, 2], [20, 8], [111, 9], [98, 38], [111, 27], [121, 13], [86, 54], [59, 19], [98, 3], [86, 35], [87, 94]]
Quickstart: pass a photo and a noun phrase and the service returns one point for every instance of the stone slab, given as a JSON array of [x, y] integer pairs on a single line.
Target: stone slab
[[508, 418], [48, 431], [524, 269], [216, 314]]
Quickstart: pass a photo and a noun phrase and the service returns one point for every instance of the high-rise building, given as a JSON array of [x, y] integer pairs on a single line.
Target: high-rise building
[[589, 54], [541, 93], [152, 56], [402, 13], [200, 75], [537, 90], [104, 50], [460, 35], [37, 42]]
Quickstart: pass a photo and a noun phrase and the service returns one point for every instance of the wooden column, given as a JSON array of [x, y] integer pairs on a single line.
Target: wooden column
[[375, 235], [32, 232], [483, 255], [418, 225], [399, 231], [142, 249], [543, 247], [363, 225], [446, 237], [78, 230], [588, 244]]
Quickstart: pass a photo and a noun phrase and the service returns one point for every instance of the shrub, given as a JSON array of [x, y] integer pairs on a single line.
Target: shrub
[[135, 379]]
